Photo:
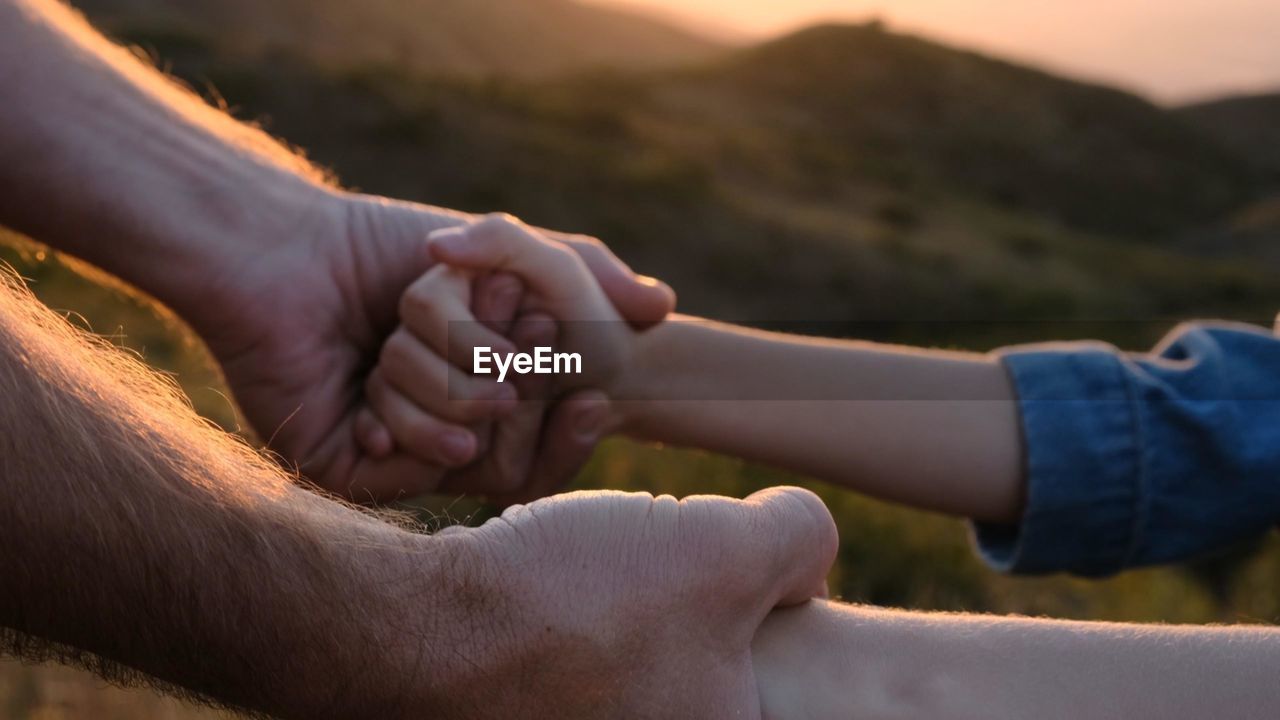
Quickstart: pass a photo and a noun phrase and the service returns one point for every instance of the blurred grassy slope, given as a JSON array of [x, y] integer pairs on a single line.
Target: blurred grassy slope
[[844, 178], [1248, 126], [761, 204], [925, 114]]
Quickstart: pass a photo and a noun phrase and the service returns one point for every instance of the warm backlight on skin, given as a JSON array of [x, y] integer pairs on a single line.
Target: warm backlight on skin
[[1174, 51]]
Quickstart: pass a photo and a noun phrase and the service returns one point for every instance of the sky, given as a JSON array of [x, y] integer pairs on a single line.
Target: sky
[[1170, 50]]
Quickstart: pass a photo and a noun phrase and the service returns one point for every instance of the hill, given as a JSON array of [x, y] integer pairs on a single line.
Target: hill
[[511, 37], [839, 173], [847, 179], [859, 99], [1249, 126]]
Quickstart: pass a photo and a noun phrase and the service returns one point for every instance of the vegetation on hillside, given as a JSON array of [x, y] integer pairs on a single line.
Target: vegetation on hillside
[[763, 205], [1248, 126], [845, 179]]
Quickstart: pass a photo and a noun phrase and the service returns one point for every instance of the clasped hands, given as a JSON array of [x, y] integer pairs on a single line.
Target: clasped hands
[[611, 604], [589, 565], [502, 285]]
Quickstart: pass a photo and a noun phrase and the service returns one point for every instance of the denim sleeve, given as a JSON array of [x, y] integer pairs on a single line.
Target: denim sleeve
[[1139, 459]]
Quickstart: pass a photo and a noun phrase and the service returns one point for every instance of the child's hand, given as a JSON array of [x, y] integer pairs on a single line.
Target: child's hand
[[416, 400], [557, 284], [423, 395]]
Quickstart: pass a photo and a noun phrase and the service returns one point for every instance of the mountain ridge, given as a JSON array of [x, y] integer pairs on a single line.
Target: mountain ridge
[[838, 172], [1248, 125], [854, 98]]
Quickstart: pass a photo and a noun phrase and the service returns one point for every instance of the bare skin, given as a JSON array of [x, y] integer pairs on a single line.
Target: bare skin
[[826, 660], [139, 539], [956, 449], [293, 284]]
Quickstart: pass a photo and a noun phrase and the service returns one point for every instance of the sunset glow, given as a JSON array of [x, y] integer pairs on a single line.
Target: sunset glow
[[1174, 50]]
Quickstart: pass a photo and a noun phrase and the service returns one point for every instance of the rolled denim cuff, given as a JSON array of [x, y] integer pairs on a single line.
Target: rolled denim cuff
[[1083, 450]]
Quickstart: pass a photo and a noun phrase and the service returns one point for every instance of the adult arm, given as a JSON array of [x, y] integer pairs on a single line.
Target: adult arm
[[107, 159], [293, 283], [828, 660], [135, 537]]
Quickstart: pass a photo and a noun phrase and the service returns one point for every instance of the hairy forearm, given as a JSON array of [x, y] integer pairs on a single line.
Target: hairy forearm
[[937, 430], [827, 660], [133, 531], [106, 159]]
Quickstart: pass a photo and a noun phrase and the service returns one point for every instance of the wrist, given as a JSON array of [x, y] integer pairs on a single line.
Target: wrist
[[485, 622], [184, 234], [206, 261], [426, 615], [644, 383]]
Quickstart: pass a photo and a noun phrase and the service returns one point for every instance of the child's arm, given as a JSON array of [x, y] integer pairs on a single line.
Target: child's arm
[[937, 430], [933, 429], [1097, 461], [825, 660]]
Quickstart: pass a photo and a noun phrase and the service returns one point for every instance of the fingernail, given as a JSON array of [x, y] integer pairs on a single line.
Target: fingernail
[[590, 423], [446, 236], [457, 446], [445, 233]]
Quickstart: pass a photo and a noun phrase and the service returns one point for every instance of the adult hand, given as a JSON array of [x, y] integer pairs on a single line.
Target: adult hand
[[293, 285], [615, 605], [298, 322]]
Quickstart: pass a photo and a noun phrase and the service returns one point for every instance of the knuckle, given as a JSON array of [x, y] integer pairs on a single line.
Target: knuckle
[[563, 256], [591, 241], [501, 226], [499, 284], [422, 432], [500, 218], [467, 409], [418, 303], [396, 357], [505, 222]]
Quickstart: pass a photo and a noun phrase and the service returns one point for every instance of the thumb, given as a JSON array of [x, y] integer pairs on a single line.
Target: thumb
[[500, 242], [643, 301], [800, 547]]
